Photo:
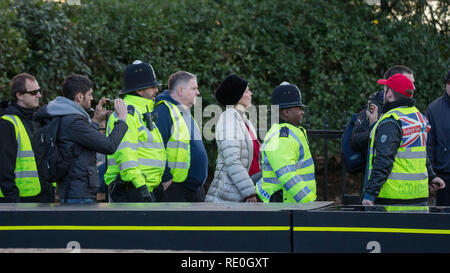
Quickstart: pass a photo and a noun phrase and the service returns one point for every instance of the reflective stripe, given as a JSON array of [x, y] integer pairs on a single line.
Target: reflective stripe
[[177, 145], [141, 128], [284, 170], [302, 194], [150, 145], [303, 177], [411, 154], [23, 154], [141, 161], [177, 165], [292, 182], [128, 165], [271, 180], [24, 174], [408, 176], [127, 144], [151, 162]]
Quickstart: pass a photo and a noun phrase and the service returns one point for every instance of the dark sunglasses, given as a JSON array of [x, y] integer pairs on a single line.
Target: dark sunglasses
[[33, 93]]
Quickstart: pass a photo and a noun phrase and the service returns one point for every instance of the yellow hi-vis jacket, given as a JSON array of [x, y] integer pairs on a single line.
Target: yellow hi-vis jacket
[[178, 148], [140, 157], [409, 176], [287, 165], [27, 179]]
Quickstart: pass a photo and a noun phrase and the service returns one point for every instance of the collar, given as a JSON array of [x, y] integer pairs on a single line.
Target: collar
[[143, 105]]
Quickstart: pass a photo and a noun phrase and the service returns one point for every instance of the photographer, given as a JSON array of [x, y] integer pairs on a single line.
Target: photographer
[[372, 112]]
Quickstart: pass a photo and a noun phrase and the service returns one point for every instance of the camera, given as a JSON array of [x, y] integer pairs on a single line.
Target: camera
[[109, 104]]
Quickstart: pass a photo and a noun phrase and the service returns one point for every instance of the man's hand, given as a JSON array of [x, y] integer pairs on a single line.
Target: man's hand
[[166, 184], [251, 199], [436, 184], [366, 202], [100, 112], [121, 108]]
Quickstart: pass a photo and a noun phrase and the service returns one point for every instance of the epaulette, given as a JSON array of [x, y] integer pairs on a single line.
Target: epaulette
[[284, 132], [131, 109]]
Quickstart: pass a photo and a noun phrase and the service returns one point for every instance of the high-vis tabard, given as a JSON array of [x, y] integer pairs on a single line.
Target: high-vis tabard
[[287, 165], [178, 148], [409, 177], [27, 179]]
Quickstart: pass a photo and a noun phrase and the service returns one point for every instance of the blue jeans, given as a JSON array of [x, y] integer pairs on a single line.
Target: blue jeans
[[77, 201]]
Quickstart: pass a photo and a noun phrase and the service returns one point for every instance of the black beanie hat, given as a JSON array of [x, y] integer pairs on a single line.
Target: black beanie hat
[[231, 89]]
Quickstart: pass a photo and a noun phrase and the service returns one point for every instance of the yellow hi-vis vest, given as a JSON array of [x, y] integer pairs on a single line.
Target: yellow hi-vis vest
[[178, 149], [27, 179], [409, 176], [140, 157], [287, 164]]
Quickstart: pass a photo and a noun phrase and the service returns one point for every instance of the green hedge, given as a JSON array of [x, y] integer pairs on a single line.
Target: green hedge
[[333, 50]]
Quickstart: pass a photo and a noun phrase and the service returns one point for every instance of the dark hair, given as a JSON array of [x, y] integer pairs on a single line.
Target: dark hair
[[17, 84], [178, 77], [398, 96], [397, 69], [75, 84]]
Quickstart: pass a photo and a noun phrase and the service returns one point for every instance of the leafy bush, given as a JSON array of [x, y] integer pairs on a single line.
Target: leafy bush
[[333, 50]]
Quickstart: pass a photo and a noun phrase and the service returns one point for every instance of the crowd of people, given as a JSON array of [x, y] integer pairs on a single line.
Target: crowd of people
[[155, 153]]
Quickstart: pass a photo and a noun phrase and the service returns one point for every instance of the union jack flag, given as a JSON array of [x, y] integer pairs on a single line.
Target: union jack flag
[[415, 127]]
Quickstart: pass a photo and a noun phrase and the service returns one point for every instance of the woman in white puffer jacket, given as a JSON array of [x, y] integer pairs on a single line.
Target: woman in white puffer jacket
[[238, 148]]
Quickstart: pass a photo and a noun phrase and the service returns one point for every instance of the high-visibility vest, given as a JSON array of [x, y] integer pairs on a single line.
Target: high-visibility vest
[[140, 157], [409, 176], [27, 178], [178, 149], [287, 164]]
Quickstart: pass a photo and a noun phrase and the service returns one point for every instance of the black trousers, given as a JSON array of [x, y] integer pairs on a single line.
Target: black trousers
[[177, 192], [443, 196]]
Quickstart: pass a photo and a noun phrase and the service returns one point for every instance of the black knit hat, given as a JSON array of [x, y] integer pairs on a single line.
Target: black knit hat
[[231, 89], [448, 77]]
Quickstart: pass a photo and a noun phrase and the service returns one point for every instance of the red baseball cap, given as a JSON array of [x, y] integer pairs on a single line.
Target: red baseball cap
[[399, 83]]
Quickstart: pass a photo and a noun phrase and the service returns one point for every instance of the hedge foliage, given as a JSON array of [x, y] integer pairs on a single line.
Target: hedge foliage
[[333, 50]]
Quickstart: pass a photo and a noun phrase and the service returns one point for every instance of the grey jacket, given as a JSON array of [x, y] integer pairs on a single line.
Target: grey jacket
[[78, 141], [231, 181]]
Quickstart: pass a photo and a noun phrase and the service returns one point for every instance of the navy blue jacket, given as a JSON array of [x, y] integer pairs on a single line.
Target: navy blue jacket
[[198, 171], [438, 141]]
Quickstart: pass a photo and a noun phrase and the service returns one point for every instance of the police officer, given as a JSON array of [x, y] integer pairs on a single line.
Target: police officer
[[398, 169], [136, 168], [287, 165]]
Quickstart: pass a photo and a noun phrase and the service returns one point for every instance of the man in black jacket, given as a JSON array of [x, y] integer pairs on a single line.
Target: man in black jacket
[[79, 138], [398, 168], [25, 95], [369, 115], [438, 142]]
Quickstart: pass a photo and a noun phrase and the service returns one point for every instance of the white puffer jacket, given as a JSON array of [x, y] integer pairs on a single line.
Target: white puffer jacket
[[231, 181]]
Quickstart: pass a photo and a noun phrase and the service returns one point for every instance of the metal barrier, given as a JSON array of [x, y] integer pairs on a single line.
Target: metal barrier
[[326, 135]]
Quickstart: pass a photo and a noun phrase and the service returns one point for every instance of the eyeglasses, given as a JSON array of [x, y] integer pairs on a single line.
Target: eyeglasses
[[33, 92]]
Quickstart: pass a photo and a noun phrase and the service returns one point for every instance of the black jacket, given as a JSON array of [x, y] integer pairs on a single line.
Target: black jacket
[[438, 141], [361, 131], [8, 152], [79, 140], [385, 151]]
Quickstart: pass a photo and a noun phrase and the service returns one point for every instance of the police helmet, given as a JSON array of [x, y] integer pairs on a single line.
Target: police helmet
[[138, 75], [287, 95]]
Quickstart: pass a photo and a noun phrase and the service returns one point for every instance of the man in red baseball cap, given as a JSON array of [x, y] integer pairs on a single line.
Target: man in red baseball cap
[[399, 171]]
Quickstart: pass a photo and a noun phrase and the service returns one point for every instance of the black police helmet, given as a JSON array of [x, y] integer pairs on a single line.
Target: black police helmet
[[287, 95], [138, 76]]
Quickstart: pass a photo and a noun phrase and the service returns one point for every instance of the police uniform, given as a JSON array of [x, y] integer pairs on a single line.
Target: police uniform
[[287, 165], [137, 166]]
